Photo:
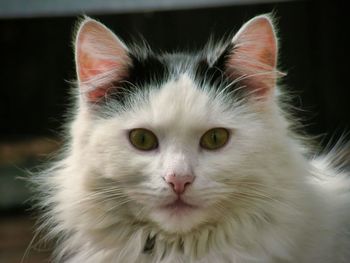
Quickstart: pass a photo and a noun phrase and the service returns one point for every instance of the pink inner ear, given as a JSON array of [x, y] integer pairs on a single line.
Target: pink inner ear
[[91, 67], [254, 57], [101, 59]]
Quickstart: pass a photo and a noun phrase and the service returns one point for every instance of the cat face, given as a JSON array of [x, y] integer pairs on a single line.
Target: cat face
[[173, 137]]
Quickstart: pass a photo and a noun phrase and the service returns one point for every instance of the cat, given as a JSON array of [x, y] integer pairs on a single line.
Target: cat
[[190, 157]]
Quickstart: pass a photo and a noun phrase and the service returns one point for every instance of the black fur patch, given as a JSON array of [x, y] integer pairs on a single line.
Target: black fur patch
[[206, 74], [150, 68], [217, 76], [141, 73]]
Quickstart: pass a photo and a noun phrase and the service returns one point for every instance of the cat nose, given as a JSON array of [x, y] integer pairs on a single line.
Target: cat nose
[[179, 182]]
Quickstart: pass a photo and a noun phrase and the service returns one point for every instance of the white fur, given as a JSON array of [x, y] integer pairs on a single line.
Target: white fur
[[259, 198]]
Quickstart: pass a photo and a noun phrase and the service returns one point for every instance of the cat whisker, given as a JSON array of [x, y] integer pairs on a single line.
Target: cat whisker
[[260, 197], [118, 205]]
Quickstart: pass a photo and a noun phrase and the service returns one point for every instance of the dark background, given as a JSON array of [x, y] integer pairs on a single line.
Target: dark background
[[37, 66]]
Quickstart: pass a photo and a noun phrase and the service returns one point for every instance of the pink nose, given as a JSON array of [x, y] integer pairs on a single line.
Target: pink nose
[[179, 183]]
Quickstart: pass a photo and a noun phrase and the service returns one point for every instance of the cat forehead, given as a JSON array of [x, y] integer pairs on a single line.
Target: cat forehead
[[180, 103], [179, 100]]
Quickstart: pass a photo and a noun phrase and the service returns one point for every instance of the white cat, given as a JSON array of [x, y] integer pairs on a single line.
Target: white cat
[[189, 158]]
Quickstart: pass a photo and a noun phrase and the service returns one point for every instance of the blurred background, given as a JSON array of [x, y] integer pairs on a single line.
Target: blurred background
[[37, 67]]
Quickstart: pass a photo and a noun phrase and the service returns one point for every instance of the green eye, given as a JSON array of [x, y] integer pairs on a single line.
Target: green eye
[[143, 139], [214, 138]]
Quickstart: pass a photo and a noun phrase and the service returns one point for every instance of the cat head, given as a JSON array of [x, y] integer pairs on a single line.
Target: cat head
[[177, 140]]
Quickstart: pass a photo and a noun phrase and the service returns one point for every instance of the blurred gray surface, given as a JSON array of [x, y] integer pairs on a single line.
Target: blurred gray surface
[[13, 190], [37, 8]]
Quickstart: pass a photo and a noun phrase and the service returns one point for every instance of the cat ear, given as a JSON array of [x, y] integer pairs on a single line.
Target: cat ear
[[101, 59], [253, 58]]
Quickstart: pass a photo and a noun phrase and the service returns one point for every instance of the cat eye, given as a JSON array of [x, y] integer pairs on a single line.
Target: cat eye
[[143, 139], [214, 138]]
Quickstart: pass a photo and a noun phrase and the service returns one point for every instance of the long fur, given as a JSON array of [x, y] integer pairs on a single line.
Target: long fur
[[262, 198]]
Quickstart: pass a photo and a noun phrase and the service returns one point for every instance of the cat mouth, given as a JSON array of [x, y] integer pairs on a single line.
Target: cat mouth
[[179, 206]]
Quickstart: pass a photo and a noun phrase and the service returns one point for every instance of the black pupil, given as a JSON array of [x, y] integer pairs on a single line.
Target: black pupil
[[143, 138], [214, 137]]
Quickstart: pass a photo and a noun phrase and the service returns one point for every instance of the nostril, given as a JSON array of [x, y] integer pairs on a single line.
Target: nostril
[[187, 184]]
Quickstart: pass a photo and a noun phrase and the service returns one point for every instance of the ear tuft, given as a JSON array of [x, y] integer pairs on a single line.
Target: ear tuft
[[101, 59]]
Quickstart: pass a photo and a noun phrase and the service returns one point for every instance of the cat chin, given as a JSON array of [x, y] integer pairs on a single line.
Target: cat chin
[[179, 220]]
